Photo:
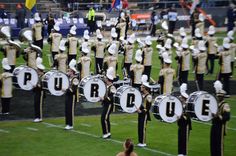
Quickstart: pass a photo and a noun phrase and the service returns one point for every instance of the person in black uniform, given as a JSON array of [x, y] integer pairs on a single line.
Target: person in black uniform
[[184, 124], [71, 95], [218, 128], [143, 112], [38, 31], [39, 94], [107, 103]]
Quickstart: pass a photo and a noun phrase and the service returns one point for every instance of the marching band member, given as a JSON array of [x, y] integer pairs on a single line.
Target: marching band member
[[114, 40], [38, 31], [61, 58], [84, 62], [11, 52], [181, 36], [201, 64], [128, 54], [225, 67], [107, 103], [86, 40], [143, 112], [166, 75], [30, 55], [218, 128], [121, 25], [137, 70], [71, 95], [184, 123], [211, 44], [230, 35], [39, 94], [99, 49], [54, 39], [200, 23], [147, 57], [72, 43], [168, 47], [111, 60], [184, 62], [160, 50], [6, 87]]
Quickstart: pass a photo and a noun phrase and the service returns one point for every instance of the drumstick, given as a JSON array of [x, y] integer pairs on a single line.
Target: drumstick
[[99, 69], [152, 80]]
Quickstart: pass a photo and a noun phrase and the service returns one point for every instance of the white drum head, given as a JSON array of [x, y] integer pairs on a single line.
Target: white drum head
[[170, 108], [128, 96], [205, 106], [27, 78], [94, 88], [58, 82]]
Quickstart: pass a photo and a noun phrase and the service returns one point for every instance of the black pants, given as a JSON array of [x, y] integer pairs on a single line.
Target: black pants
[[211, 59], [217, 139], [38, 103], [171, 27], [200, 81], [153, 30], [70, 100], [232, 68], [183, 135], [99, 65], [183, 77], [53, 58], [226, 81], [147, 71], [5, 104], [12, 68], [142, 122], [137, 86], [127, 68], [39, 43], [105, 118], [70, 57]]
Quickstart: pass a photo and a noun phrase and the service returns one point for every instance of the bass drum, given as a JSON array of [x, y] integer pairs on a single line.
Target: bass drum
[[167, 108], [201, 105], [92, 88], [128, 98], [25, 77], [55, 82]]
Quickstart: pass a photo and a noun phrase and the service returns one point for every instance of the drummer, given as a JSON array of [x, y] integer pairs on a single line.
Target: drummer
[[71, 95], [61, 58], [84, 62], [184, 123], [39, 94], [107, 103], [6, 87], [143, 112]]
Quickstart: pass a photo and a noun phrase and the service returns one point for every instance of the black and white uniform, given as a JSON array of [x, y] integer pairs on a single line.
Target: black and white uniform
[[99, 55], [200, 69], [147, 60], [143, 117], [72, 44], [38, 31], [128, 57], [107, 108], [54, 39], [184, 66], [136, 75], [211, 41], [70, 100], [218, 129]]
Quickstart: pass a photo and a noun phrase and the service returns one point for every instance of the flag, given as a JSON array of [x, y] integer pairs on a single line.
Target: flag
[[115, 4], [30, 4]]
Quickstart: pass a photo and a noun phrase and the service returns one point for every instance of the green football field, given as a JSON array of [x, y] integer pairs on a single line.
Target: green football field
[[25, 138]]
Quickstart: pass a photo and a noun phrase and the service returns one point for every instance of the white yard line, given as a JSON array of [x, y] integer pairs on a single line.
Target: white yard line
[[114, 124], [134, 121], [32, 129], [4, 131], [206, 123], [85, 125], [112, 140]]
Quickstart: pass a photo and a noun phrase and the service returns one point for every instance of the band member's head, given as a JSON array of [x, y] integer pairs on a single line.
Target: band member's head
[[84, 49], [5, 65], [56, 27], [197, 33], [99, 36], [112, 49], [37, 17], [167, 61], [211, 31], [131, 39], [110, 74], [230, 35], [202, 46], [73, 30], [138, 56], [226, 43], [184, 96], [220, 93], [128, 146], [148, 41], [72, 69], [39, 65], [113, 34], [62, 47], [86, 35], [168, 44], [182, 32], [145, 84]]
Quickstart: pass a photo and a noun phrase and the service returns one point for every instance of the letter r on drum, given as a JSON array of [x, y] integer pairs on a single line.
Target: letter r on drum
[[94, 90]]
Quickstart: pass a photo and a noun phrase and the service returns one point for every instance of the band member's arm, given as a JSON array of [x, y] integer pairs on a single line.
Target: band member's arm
[[50, 39], [79, 66]]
